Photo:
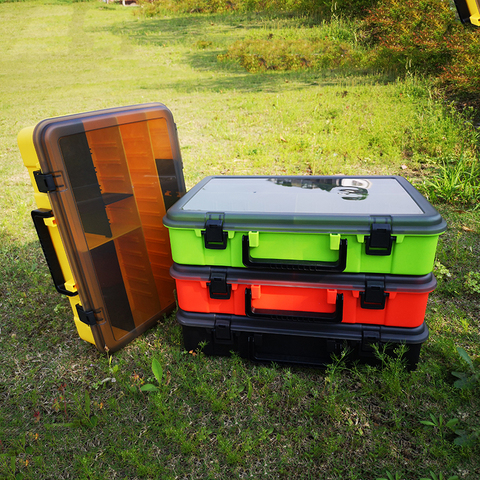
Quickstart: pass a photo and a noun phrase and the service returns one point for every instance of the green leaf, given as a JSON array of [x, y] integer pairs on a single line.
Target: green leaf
[[463, 383], [148, 387], [464, 440], [19, 476], [157, 370], [427, 422], [466, 357], [452, 422], [28, 450], [93, 421]]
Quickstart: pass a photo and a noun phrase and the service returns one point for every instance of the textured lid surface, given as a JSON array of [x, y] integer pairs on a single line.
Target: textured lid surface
[[343, 204], [329, 195]]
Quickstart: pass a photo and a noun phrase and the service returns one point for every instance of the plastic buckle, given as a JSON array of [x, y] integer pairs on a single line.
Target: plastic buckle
[[44, 181], [370, 335], [218, 286], [374, 296], [86, 317], [214, 236], [222, 330], [380, 240]]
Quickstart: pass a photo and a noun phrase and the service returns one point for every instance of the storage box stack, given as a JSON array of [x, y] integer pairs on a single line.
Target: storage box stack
[[276, 268], [296, 269]]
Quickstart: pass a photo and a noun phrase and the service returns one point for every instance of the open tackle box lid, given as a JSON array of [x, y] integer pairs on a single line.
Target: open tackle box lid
[[103, 181]]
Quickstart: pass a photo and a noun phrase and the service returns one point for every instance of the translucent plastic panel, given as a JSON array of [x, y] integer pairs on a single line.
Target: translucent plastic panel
[[123, 179]]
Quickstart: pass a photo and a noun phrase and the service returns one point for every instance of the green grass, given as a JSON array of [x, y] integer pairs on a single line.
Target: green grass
[[221, 417]]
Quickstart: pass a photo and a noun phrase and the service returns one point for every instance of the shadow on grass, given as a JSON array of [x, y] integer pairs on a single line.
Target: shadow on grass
[[27, 294], [200, 39]]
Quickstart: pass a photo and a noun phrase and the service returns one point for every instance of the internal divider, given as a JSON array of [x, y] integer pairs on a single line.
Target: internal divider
[[144, 143], [120, 156]]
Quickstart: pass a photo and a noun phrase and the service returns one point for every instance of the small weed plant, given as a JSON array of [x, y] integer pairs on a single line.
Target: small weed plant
[[470, 379], [472, 283], [158, 373], [455, 181], [440, 425]]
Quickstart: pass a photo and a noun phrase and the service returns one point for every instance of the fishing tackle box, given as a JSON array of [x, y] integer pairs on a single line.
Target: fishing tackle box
[[391, 300], [333, 224], [306, 343], [103, 181]]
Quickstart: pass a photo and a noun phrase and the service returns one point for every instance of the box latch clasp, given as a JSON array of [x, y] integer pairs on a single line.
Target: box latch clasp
[[223, 332], [374, 296], [214, 236], [370, 336], [45, 182], [380, 240], [87, 317], [218, 286]]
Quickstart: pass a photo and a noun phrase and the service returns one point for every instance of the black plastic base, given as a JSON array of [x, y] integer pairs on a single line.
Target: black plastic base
[[287, 342]]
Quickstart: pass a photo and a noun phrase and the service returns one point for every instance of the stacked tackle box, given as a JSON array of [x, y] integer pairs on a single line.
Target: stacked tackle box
[[296, 269]]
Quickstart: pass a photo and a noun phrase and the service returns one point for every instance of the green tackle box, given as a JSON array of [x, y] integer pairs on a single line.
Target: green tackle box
[[354, 224]]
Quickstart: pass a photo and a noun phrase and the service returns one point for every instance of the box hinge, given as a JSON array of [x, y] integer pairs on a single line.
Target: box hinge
[[222, 329], [218, 286], [214, 236], [374, 296], [44, 181], [86, 317], [380, 240]]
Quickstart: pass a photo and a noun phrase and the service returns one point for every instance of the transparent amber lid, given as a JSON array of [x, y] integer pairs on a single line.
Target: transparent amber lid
[[116, 172]]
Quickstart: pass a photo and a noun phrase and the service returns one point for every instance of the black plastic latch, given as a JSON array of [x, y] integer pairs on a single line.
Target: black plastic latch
[[374, 296], [222, 329], [370, 335], [44, 181], [380, 240], [218, 286], [214, 236], [86, 317]]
